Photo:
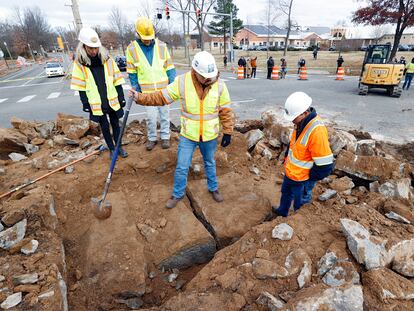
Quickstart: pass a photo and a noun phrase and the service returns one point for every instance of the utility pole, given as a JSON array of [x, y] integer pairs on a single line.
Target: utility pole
[[30, 49], [76, 15], [7, 48]]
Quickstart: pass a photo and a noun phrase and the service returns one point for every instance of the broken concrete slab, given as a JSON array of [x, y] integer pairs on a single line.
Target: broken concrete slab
[[342, 184], [366, 147], [404, 265], [10, 237], [282, 232], [400, 208], [339, 139], [241, 209], [17, 157], [73, 127], [45, 130], [326, 262], [305, 274], [396, 217], [253, 137], [276, 127], [328, 194], [396, 188], [11, 301], [29, 278], [11, 141], [341, 273]]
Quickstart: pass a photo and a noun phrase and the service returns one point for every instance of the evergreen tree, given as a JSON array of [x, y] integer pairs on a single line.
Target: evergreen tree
[[221, 24]]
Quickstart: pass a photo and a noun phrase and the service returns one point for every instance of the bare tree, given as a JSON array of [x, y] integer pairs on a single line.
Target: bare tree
[[285, 7], [148, 10], [118, 24], [379, 31], [204, 6], [182, 5]]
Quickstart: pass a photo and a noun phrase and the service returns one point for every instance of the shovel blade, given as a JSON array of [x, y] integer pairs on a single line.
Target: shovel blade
[[101, 210]]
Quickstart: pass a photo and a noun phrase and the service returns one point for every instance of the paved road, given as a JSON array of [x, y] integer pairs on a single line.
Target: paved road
[[28, 94]]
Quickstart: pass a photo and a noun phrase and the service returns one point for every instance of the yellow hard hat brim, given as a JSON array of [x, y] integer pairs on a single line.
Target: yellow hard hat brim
[[149, 37]]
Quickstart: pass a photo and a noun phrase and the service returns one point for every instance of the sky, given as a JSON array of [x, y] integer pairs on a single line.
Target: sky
[[95, 12]]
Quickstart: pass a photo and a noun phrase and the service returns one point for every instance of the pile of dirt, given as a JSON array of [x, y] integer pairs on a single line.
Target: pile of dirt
[[351, 248]]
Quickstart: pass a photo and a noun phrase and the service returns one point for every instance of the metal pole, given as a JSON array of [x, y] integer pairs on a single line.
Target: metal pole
[[76, 15], [31, 52], [231, 40], [7, 48]]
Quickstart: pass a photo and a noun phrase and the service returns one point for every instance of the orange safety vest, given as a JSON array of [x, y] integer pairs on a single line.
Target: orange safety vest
[[311, 147]]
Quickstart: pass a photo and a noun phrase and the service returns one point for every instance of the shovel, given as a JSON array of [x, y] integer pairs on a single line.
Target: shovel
[[102, 210]]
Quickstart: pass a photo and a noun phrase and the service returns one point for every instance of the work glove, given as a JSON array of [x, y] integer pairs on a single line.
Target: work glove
[[86, 107], [226, 140], [122, 103]]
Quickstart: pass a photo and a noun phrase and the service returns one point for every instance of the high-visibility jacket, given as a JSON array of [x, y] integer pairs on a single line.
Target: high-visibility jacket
[[82, 80], [152, 77], [311, 147], [199, 118], [410, 68]]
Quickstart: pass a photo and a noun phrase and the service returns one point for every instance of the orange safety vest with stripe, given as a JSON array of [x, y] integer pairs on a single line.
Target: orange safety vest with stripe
[[82, 80], [152, 77], [199, 118], [311, 147]]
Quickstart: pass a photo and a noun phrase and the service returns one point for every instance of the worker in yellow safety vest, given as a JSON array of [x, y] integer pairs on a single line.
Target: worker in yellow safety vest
[[205, 103], [150, 69], [99, 82], [409, 74], [308, 158]]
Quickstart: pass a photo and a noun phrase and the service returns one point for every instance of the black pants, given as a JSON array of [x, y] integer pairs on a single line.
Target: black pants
[[254, 72], [269, 72], [103, 122]]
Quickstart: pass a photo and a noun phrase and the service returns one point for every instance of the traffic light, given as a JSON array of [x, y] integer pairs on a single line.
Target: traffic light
[[198, 13], [159, 15], [167, 12], [60, 43]]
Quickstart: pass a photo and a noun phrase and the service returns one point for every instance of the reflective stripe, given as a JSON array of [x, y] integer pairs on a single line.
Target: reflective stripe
[[82, 81], [197, 117], [301, 164], [167, 96], [305, 138], [78, 85], [323, 160]]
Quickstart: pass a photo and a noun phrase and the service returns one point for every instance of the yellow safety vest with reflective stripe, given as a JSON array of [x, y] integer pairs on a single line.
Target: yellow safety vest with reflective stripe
[[82, 80], [199, 118], [410, 68], [311, 147], [152, 77]]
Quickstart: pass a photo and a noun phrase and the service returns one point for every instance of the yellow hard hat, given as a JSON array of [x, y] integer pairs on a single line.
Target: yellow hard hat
[[144, 28]]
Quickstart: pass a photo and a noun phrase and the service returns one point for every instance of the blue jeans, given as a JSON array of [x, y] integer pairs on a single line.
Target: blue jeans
[[186, 148], [407, 80], [300, 192], [152, 114]]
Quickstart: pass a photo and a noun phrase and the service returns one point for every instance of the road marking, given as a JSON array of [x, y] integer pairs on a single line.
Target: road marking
[[3, 100], [243, 101], [26, 98], [53, 95], [224, 80], [126, 86], [233, 78], [34, 84], [141, 113], [32, 78], [76, 93]]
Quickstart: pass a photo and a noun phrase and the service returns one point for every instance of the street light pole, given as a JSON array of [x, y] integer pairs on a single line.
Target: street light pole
[[7, 48], [31, 52]]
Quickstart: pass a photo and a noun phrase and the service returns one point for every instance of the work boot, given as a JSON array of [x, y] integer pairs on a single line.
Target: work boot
[[165, 143], [172, 202], [122, 153], [150, 145], [217, 196]]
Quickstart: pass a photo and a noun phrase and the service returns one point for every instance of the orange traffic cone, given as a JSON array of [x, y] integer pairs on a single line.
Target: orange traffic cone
[[275, 73], [303, 73], [340, 74], [240, 73]]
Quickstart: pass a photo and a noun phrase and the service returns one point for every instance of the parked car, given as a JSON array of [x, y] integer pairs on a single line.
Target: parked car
[[363, 48], [332, 48], [121, 62], [54, 69], [261, 48], [411, 47], [403, 47]]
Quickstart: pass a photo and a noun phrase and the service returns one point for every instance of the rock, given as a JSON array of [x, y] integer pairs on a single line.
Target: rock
[[374, 186], [30, 248], [1, 229], [27, 288], [149, 233], [172, 277], [11, 301], [137, 132], [366, 147], [46, 295], [62, 140], [69, 169], [282, 232], [45, 130], [399, 218], [341, 273], [328, 194], [396, 189], [370, 168], [133, 303], [342, 184], [276, 127], [13, 235], [161, 168], [254, 170], [262, 253], [38, 163], [253, 137], [68, 158], [366, 249], [265, 269], [85, 144], [245, 126], [17, 157], [326, 262], [267, 154], [321, 297], [305, 275], [37, 141], [270, 301], [296, 260], [29, 278], [30, 149], [339, 139], [2, 171], [388, 285], [197, 169], [400, 209], [404, 265], [11, 141], [13, 216], [351, 200], [25, 127], [73, 127], [275, 143]]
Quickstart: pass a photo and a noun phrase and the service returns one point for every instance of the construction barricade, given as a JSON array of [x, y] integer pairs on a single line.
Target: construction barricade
[[240, 73], [340, 74], [303, 73], [275, 73]]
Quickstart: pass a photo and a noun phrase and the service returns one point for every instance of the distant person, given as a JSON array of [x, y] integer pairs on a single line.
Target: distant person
[[283, 68], [402, 60], [270, 65], [301, 63], [339, 62], [249, 68], [409, 74], [242, 63], [225, 61], [253, 63], [315, 53]]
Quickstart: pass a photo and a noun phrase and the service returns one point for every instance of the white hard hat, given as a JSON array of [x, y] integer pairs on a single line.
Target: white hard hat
[[296, 104], [89, 37], [205, 64]]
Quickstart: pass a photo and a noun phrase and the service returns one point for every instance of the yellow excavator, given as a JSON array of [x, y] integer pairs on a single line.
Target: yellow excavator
[[378, 73]]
